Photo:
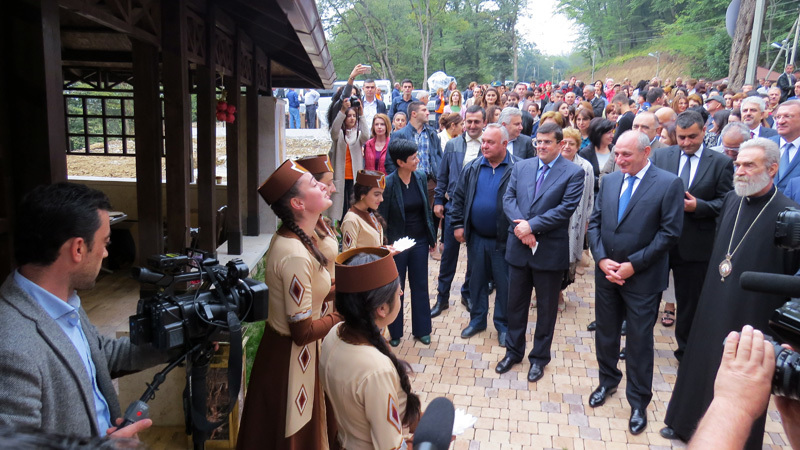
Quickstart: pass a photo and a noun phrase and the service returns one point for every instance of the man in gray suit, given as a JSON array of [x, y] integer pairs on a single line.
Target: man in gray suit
[[519, 145], [752, 112], [637, 219], [55, 369], [542, 194]]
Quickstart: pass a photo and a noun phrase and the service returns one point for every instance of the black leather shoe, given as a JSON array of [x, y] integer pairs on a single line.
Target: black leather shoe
[[506, 364], [467, 303], [599, 395], [623, 353], [438, 308], [668, 433], [470, 331], [592, 326], [535, 373], [624, 329], [501, 338], [638, 421]]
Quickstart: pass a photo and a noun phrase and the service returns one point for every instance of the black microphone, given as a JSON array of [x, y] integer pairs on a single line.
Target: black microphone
[[435, 429], [770, 283]]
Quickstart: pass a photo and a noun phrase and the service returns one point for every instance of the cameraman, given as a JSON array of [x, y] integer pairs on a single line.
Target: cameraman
[[741, 394], [55, 369]]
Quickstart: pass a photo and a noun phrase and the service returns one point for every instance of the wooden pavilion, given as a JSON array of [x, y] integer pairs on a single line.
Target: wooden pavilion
[[168, 52]]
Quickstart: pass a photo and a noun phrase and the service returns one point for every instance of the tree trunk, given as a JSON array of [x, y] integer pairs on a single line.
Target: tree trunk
[[515, 57], [741, 44]]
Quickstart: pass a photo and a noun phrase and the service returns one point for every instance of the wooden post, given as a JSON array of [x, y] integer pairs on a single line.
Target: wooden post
[[233, 217], [35, 92], [207, 138], [147, 122], [253, 182], [177, 121]]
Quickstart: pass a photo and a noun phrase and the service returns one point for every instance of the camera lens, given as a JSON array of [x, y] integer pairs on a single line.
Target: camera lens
[[786, 381]]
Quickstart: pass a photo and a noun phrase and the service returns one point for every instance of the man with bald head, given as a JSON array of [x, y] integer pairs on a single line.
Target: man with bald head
[[666, 116], [707, 176], [637, 219], [647, 123]]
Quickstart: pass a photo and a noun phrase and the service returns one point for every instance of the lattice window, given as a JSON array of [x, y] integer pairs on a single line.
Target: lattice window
[[100, 125]]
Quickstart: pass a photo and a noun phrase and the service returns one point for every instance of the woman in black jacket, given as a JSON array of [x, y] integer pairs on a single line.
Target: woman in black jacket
[[407, 213]]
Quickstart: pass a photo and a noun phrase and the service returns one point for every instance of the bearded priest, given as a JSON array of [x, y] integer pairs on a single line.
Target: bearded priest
[[744, 242]]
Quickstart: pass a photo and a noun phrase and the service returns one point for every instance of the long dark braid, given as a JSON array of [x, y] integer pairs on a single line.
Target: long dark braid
[[284, 212], [358, 311]]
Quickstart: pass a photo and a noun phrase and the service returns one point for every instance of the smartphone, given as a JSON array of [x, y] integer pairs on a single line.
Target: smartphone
[[368, 68]]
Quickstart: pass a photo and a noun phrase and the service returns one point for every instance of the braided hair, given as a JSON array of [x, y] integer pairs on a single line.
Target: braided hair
[[284, 212], [358, 310]]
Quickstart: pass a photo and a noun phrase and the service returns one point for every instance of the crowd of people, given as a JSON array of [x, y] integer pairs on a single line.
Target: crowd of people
[[656, 181], [659, 181]]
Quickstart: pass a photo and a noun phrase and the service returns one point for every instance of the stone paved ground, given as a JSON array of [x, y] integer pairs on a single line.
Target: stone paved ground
[[554, 412]]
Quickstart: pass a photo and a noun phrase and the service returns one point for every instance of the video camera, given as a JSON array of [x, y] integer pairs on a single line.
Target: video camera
[[785, 321], [168, 320], [197, 302]]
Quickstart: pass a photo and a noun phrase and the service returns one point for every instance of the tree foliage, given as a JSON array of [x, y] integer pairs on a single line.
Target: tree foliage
[[472, 40]]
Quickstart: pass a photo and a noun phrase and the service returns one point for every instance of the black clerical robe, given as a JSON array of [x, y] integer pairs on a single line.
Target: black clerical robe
[[725, 307]]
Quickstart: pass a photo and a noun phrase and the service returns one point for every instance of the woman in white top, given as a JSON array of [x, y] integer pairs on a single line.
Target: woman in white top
[[368, 387]]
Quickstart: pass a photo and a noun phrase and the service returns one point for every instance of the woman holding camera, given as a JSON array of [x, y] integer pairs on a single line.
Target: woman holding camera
[[285, 403], [349, 132], [362, 225], [368, 386]]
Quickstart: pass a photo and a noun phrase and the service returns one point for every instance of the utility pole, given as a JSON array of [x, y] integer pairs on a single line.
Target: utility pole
[[796, 36], [593, 57], [755, 41]]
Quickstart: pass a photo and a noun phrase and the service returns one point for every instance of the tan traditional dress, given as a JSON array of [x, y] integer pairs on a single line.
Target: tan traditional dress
[[364, 389], [329, 246], [361, 229], [285, 408]]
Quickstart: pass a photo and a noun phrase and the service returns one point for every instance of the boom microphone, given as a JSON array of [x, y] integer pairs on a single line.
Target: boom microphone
[[770, 283], [435, 429]]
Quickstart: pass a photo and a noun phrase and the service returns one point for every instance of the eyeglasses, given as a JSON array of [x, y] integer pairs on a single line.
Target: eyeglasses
[[730, 149], [784, 116]]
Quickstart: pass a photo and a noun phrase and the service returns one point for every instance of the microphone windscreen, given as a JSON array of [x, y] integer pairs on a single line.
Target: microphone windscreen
[[435, 429], [770, 283]]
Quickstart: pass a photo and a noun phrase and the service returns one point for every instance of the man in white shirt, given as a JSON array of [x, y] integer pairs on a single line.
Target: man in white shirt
[[372, 105], [752, 113], [311, 99]]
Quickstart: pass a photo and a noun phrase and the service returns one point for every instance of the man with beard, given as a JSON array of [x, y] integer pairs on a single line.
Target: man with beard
[[744, 242]]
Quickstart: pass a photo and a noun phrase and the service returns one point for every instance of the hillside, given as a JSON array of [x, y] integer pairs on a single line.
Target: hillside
[[639, 68]]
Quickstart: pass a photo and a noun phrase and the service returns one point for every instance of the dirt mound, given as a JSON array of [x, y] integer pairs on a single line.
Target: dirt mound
[[640, 68]]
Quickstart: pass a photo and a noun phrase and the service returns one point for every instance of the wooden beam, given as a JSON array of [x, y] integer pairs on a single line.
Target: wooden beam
[[207, 140], [233, 218], [147, 122], [177, 122]]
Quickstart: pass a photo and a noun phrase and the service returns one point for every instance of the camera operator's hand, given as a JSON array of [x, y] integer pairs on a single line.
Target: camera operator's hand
[[129, 432], [741, 391], [790, 417], [345, 105]]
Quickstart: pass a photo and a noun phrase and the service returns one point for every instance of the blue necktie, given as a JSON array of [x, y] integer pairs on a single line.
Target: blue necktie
[[626, 197], [785, 161], [539, 182]]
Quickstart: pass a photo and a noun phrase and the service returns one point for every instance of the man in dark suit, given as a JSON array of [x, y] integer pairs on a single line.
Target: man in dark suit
[[707, 176], [479, 221], [542, 195], [787, 124], [519, 145], [637, 219], [55, 368], [786, 82], [458, 152]]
